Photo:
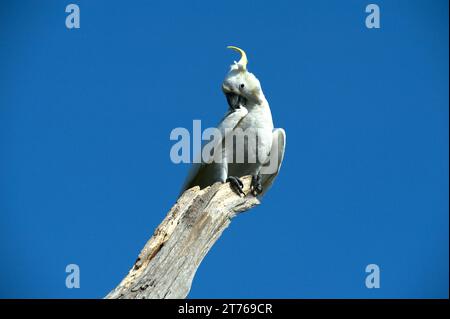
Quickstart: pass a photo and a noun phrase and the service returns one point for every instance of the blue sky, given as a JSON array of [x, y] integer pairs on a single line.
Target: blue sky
[[85, 118]]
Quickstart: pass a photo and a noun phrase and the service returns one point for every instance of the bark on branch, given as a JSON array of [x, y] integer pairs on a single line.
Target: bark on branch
[[168, 262]]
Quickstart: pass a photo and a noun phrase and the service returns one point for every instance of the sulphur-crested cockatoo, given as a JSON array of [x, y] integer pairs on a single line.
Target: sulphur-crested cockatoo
[[261, 148]]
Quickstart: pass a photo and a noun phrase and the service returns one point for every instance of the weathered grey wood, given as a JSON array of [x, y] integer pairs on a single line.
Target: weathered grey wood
[[167, 264]]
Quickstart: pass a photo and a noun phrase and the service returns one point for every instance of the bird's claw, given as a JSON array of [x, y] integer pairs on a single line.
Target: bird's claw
[[236, 185], [256, 187]]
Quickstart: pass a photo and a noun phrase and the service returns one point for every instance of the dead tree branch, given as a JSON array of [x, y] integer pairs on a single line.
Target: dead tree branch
[[167, 264]]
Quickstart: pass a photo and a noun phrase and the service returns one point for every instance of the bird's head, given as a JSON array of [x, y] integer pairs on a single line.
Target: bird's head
[[241, 87]]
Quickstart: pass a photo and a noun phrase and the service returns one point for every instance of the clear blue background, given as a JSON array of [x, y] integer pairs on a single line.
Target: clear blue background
[[85, 118]]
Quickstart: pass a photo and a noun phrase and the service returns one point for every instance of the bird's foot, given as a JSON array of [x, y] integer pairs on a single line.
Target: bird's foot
[[256, 187], [236, 185]]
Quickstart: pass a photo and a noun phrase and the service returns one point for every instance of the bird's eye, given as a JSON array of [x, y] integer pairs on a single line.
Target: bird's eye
[[242, 85]]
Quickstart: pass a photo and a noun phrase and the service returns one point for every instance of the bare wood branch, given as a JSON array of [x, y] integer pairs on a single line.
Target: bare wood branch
[[167, 264]]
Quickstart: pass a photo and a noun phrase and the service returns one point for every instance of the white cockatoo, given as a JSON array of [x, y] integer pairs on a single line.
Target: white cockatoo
[[262, 149]]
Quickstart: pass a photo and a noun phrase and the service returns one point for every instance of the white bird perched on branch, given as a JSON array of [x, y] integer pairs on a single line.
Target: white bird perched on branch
[[248, 143]]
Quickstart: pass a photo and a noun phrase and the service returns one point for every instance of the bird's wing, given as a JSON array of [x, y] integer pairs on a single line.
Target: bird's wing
[[204, 174], [270, 169]]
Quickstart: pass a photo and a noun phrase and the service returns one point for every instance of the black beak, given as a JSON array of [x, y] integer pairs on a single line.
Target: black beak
[[235, 100]]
